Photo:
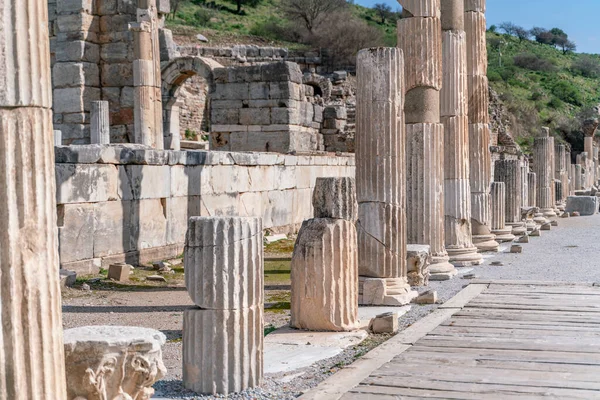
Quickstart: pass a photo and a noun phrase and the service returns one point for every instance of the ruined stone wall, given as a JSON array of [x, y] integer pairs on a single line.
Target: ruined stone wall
[[264, 108], [124, 203], [92, 53], [194, 114]]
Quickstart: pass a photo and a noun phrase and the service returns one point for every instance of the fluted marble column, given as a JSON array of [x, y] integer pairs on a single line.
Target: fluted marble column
[[31, 339], [524, 183], [454, 116], [560, 170], [381, 174], [499, 228], [509, 172], [148, 123], [543, 162], [419, 37], [99, 123], [532, 189], [479, 130]]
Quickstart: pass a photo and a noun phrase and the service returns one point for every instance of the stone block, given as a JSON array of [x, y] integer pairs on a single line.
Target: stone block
[[324, 274], [67, 278], [384, 291], [180, 209], [335, 198], [418, 259], [222, 350], [74, 74], [428, 297], [584, 205], [74, 6], [259, 90], [119, 272], [77, 22], [254, 116], [384, 323], [117, 74], [284, 91], [92, 351], [144, 182], [116, 52], [148, 223], [225, 116], [77, 50], [76, 232], [284, 116], [113, 228], [85, 183], [515, 248], [224, 262], [75, 99], [335, 112], [231, 91]]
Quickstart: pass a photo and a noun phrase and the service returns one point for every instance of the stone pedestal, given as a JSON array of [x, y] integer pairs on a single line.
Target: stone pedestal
[[418, 258], [509, 172], [109, 362], [454, 116], [381, 173], [31, 339], [324, 271], [479, 131], [99, 123], [543, 163], [499, 228], [223, 335], [419, 37]]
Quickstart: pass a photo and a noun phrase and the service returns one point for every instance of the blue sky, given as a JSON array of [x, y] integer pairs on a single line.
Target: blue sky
[[576, 17]]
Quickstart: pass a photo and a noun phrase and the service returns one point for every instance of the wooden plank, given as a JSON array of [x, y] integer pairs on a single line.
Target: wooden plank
[[464, 296], [484, 388], [531, 283], [502, 306], [546, 344], [508, 324], [540, 299], [385, 392], [528, 315], [531, 333], [543, 290], [392, 372]]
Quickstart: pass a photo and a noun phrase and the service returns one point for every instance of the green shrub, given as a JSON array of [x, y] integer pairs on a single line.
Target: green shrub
[[533, 62], [567, 92], [203, 16], [494, 76], [555, 103]]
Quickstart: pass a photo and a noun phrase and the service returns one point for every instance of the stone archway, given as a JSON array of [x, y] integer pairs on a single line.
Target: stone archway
[[321, 84], [174, 75]]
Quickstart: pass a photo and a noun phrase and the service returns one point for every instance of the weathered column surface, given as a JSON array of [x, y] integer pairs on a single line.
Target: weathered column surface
[[99, 123], [454, 116], [419, 37], [560, 171], [543, 160], [479, 131], [31, 339], [524, 181], [532, 189], [148, 122], [499, 228], [509, 172], [324, 271], [381, 174], [223, 335]]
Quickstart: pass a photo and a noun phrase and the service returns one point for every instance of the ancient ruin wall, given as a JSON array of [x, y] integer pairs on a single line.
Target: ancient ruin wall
[[123, 204]]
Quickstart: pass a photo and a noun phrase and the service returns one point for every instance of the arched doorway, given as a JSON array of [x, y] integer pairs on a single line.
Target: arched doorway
[[185, 101]]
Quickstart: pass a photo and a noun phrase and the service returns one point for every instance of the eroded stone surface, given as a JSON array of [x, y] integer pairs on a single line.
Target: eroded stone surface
[[335, 198]]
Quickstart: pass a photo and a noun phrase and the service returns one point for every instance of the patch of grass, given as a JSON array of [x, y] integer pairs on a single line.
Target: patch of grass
[[285, 246], [277, 272], [269, 329]]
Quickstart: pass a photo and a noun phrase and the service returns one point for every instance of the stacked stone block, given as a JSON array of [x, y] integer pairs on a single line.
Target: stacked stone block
[[380, 178], [499, 228], [335, 120], [543, 164], [419, 37], [32, 362], [92, 53], [479, 130], [223, 334], [324, 269], [264, 108], [454, 116]]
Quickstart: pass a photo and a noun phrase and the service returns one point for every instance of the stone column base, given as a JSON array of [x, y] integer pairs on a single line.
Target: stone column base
[[441, 270], [504, 235], [384, 291], [485, 243], [540, 219], [548, 212], [531, 225], [464, 257], [518, 228]]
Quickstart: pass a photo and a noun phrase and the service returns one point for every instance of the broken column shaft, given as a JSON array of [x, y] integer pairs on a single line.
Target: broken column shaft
[[99, 124], [543, 160], [32, 361], [509, 172], [499, 228], [381, 176], [454, 116], [419, 37], [479, 130]]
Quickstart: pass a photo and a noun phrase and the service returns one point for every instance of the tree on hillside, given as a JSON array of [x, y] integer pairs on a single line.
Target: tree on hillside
[[542, 35], [522, 33], [564, 44], [310, 12], [383, 10], [508, 28]]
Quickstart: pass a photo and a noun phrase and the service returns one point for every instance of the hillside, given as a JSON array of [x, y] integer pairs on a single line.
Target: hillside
[[541, 86], [538, 84]]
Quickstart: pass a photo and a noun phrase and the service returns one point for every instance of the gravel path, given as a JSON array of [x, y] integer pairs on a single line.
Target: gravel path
[[570, 252]]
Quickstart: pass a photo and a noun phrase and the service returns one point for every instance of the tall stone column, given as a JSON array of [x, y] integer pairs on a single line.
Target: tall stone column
[[454, 116], [148, 123], [561, 172], [509, 172], [32, 361], [578, 177], [532, 189], [99, 123], [499, 228], [543, 161], [419, 37], [524, 185], [479, 130], [381, 175]]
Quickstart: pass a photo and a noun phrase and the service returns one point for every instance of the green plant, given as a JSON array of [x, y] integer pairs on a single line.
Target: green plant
[[190, 134], [203, 16], [567, 92]]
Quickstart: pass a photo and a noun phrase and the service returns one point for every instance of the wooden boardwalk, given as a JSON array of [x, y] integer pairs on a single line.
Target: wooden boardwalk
[[494, 340]]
